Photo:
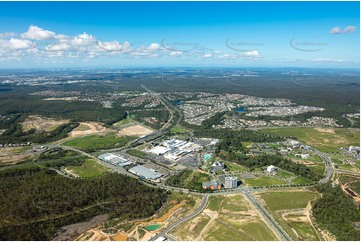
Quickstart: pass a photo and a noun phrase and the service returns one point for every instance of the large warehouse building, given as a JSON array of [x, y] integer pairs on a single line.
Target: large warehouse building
[[146, 173]]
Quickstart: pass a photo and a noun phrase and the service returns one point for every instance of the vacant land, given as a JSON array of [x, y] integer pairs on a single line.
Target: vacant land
[[327, 140], [235, 167], [179, 130], [89, 168], [264, 181], [86, 128], [98, 142], [291, 209], [41, 123], [135, 130], [13, 155], [228, 217]]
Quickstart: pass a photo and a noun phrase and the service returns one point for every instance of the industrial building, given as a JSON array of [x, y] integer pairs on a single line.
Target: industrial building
[[213, 185], [114, 159], [230, 182], [174, 149], [146, 173]]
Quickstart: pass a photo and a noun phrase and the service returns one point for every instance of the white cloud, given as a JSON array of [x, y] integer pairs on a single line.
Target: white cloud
[[228, 56], [346, 30], [58, 47], [335, 30], [6, 34], [349, 29], [37, 33], [153, 47], [327, 60], [83, 39], [252, 53], [114, 46], [176, 53], [16, 44], [207, 55]]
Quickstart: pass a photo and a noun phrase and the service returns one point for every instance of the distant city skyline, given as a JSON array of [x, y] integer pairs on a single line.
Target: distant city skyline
[[173, 34]]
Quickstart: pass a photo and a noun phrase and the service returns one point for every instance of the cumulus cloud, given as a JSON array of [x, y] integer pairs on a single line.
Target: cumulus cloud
[[153, 47], [176, 53], [114, 46], [252, 53], [6, 34], [37, 33], [346, 30], [16, 44], [83, 39], [335, 30], [207, 55], [58, 47], [349, 29]]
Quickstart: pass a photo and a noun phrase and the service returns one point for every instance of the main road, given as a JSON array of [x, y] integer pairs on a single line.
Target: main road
[[267, 217], [186, 218]]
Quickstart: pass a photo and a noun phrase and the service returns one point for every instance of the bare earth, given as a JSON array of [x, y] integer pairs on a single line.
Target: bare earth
[[324, 130], [135, 130], [86, 128], [41, 123]]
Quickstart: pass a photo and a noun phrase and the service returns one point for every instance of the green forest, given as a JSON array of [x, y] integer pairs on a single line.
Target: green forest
[[36, 202], [337, 212]]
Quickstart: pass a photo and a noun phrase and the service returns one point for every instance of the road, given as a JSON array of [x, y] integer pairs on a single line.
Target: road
[[329, 167], [186, 218], [267, 217]]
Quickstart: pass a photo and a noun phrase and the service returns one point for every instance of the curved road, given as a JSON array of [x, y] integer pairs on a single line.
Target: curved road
[[186, 218]]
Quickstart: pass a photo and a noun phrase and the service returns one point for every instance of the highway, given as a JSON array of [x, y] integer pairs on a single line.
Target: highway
[[329, 167], [267, 217], [186, 218]]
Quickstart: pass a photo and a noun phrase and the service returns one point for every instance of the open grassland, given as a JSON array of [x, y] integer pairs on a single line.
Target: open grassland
[[282, 200], [290, 209], [125, 121], [41, 123], [89, 168], [13, 155], [228, 217], [179, 130], [98, 142], [264, 181], [235, 167], [326, 140]]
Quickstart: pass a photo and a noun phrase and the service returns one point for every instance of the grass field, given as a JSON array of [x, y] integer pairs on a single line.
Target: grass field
[[128, 120], [287, 200], [89, 168], [96, 142], [284, 174], [264, 181], [281, 204], [226, 218], [301, 180], [179, 130], [326, 140], [235, 167]]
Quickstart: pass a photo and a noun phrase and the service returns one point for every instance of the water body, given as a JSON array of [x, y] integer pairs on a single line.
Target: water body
[[240, 110]]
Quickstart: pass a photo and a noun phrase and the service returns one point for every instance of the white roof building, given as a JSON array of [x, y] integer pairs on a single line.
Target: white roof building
[[271, 168]]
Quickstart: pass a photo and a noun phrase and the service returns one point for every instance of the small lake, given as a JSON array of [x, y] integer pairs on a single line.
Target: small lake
[[240, 109]]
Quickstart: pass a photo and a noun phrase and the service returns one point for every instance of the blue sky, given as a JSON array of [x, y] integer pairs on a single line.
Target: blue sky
[[157, 34]]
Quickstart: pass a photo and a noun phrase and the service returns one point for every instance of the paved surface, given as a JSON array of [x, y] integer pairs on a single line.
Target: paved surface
[[186, 218], [329, 167]]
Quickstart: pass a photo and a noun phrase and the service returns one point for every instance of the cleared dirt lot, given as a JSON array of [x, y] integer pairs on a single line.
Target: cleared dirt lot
[[135, 130], [13, 155], [41, 123], [86, 128]]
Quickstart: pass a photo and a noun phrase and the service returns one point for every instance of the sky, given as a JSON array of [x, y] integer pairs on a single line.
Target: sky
[[179, 34]]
